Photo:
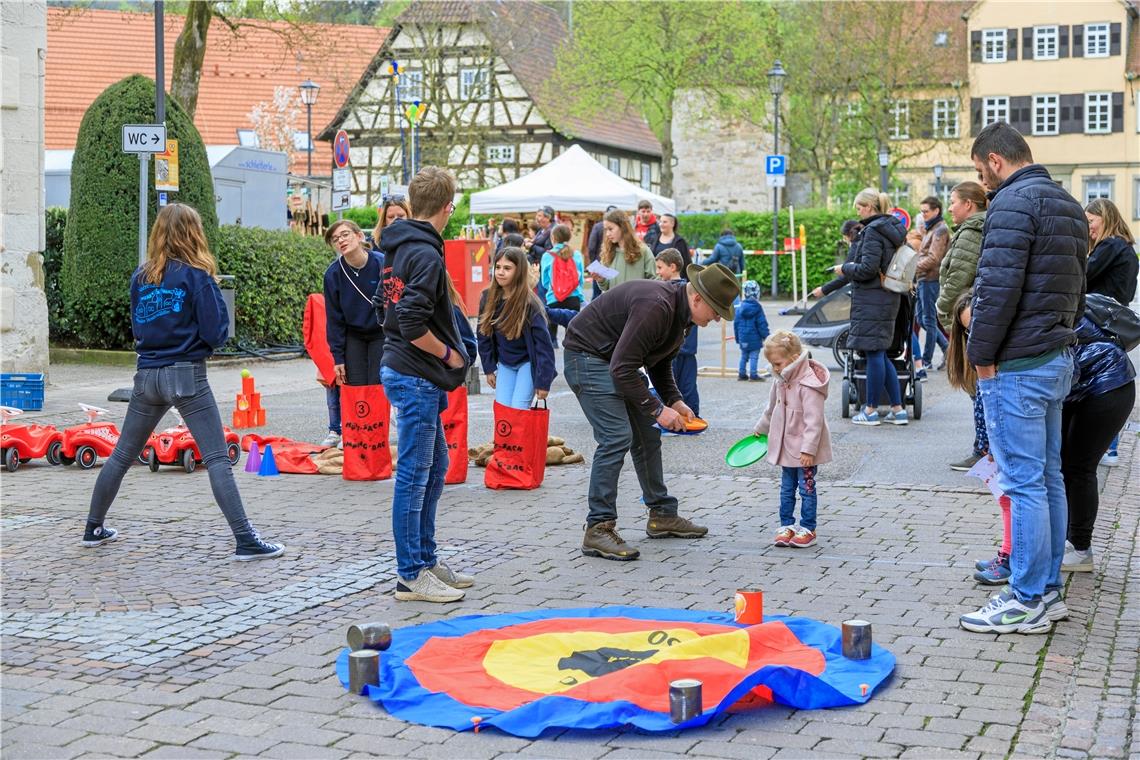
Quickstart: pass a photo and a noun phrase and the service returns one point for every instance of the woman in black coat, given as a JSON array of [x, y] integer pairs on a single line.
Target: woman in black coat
[[873, 308]]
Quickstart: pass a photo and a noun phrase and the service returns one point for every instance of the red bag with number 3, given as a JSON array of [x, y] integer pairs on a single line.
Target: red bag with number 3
[[454, 420], [364, 413], [519, 460]]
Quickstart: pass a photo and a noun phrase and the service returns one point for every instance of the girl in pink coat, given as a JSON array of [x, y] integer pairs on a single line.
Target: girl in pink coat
[[798, 438]]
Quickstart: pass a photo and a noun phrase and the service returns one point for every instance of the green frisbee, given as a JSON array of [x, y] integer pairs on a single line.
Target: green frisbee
[[746, 451]]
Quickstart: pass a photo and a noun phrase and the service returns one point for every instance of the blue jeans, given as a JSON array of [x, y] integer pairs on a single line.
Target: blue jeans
[[153, 394], [928, 318], [421, 465], [618, 427], [749, 360], [1023, 418], [514, 386], [685, 373], [332, 400], [804, 478], [881, 372]]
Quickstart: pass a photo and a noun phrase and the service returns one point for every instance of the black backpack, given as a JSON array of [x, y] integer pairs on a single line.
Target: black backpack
[[1121, 324]]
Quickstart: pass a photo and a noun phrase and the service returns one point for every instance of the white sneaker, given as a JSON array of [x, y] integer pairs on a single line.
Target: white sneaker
[[1110, 459], [1077, 561], [450, 577], [425, 587], [332, 439], [1005, 614]]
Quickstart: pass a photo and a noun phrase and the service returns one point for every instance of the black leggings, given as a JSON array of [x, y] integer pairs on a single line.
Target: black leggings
[[573, 303], [362, 359], [1087, 427]]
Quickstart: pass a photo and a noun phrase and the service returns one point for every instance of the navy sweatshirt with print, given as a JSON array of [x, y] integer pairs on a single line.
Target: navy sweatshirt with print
[[348, 302], [181, 320]]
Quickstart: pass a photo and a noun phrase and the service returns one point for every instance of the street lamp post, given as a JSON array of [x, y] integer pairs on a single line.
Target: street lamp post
[[309, 90], [938, 181], [776, 76], [884, 160]]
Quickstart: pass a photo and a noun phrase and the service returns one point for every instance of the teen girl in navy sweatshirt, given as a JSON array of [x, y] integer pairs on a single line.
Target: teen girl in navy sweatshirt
[[178, 319]]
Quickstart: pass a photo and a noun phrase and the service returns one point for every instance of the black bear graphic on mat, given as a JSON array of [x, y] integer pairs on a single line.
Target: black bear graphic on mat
[[603, 661]]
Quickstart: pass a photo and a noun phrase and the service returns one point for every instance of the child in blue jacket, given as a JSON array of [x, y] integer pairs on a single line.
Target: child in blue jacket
[[750, 329]]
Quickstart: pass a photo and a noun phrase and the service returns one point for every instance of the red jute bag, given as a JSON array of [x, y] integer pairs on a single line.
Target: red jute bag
[[454, 420], [316, 342], [519, 460], [364, 413]]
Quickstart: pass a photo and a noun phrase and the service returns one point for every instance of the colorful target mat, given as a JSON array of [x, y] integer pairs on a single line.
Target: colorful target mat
[[527, 672]]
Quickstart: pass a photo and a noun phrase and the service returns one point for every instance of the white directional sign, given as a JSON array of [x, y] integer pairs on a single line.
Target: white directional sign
[[342, 179], [144, 138], [777, 180]]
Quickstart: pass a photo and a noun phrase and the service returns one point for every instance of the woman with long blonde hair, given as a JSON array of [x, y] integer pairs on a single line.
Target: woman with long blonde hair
[[178, 319], [1112, 264], [621, 250], [392, 207]]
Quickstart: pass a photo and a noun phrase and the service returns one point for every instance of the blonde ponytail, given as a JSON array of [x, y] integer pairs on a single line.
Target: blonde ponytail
[[880, 203]]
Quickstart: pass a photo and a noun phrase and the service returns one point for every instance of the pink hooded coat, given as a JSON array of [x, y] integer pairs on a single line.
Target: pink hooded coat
[[794, 420]]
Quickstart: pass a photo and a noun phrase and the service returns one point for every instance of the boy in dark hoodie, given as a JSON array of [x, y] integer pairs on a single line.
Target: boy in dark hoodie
[[424, 358]]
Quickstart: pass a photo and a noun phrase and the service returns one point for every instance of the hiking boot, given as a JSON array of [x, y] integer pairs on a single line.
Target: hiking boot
[[450, 577], [784, 536], [997, 573], [250, 547], [672, 526], [97, 535], [966, 465], [1077, 561], [602, 540], [803, 538], [1005, 614], [332, 439], [426, 587]]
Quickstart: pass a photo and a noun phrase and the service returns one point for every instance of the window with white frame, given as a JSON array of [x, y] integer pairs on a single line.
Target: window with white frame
[[1098, 113], [900, 130], [614, 165], [1096, 40], [248, 138], [1097, 187], [993, 45], [1044, 43], [411, 86], [473, 84], [500, 154], [946, 117], [646, 176], [1046, 118], [995, 109]]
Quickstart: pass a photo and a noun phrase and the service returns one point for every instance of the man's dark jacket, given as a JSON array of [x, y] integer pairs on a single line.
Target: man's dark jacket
[[415, 300], [1029, 290], [540, 244], [873, 308], [640, 323]]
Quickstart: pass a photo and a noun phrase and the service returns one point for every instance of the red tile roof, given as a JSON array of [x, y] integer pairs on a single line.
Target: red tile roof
[[88, 50]]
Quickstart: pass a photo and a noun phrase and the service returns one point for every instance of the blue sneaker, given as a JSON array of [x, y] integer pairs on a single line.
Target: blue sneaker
[[997, 573], [862, 418], [1005, 614], [984, 564], [898, 418], [920, 376]]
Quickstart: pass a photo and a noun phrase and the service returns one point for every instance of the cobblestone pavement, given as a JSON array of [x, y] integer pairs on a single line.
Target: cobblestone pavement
[[160, 646]]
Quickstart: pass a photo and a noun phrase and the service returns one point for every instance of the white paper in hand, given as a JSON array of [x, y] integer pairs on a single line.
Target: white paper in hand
[[601, 270], [985, 470]]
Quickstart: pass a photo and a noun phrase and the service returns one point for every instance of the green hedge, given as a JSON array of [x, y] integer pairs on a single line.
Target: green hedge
[[100, 242], [275, 271], [754, 231], [55, 220]]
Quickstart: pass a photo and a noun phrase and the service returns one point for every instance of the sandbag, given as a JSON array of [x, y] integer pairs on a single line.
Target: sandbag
[[365, 412]]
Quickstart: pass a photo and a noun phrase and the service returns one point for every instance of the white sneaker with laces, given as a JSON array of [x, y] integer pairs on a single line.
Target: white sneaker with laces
[[425, 587], [1005, 614], [450, 577], [1077, 561], [332, 439]]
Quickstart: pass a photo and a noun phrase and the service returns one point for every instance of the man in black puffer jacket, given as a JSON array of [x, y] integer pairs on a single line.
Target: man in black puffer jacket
[[1028, 296]]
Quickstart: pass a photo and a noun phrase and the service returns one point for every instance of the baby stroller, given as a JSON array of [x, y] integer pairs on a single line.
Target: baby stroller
[[899, 354], [828, 323]]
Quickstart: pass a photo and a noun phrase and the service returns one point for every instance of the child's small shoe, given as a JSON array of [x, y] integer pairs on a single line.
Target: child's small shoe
[[997, 573], [784, 536], [803, 538]]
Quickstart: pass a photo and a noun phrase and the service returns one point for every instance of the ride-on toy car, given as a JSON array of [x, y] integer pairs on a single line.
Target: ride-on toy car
[[23, 443], [176, 446], [84, 444]]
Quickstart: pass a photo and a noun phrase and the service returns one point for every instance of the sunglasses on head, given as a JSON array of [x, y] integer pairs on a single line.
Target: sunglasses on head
[[395, 198]]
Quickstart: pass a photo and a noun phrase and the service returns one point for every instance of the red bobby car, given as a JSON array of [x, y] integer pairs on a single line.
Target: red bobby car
[[175, 446], [84, 444], [23, 443]]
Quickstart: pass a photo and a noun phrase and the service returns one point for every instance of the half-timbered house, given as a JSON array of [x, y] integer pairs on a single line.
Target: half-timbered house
[[480, 69]]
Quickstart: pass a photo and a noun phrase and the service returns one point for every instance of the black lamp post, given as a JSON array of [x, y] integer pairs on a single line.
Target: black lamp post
[[309, 90], [776, 76], [884, 161]]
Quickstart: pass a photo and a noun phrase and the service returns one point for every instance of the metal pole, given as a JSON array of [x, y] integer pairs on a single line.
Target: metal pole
[[775, 200], [883, 177], [309, 108], [143, 161], [159, 65]]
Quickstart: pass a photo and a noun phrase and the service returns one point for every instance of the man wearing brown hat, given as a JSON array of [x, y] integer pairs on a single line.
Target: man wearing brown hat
[[641, 323]]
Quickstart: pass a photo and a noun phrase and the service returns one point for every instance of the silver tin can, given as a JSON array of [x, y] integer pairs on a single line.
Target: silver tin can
[[856, 639], [684, 699], [376, 636], [363, 670]]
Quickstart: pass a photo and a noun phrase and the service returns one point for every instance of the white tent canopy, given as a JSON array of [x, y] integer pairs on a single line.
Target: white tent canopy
[[571, 182]]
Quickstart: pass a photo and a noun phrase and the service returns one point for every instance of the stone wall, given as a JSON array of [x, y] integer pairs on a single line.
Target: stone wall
[[23, 307]]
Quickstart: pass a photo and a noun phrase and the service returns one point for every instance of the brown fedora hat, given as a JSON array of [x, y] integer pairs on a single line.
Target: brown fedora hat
[[717, 285]]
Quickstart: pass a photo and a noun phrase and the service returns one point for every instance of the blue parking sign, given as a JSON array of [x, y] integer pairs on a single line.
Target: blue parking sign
[[776, 164]]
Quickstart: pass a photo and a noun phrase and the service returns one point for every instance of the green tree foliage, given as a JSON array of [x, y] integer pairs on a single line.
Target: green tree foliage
[[101, 239], [55, 220], [642, 55]]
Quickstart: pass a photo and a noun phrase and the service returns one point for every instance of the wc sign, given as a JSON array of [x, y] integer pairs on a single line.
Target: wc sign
[[776, 169]]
